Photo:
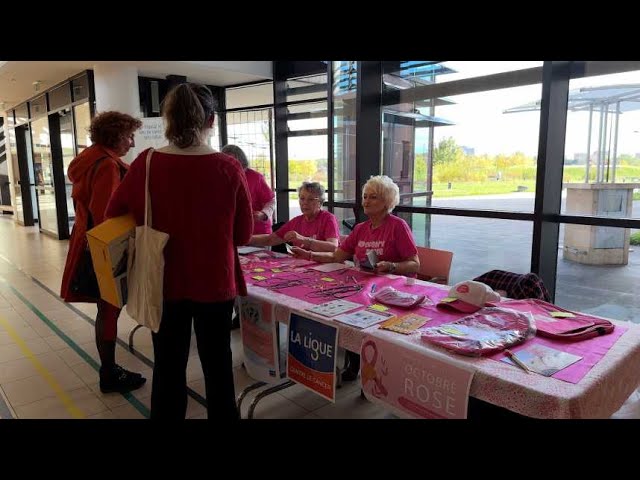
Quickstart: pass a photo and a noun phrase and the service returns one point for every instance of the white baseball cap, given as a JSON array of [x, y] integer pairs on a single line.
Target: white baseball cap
[[469, 296]]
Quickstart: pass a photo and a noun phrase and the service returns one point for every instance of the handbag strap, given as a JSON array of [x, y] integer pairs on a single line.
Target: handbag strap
[[147, 197]]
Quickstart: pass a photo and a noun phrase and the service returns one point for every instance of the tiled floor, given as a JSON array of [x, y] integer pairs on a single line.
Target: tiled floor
[[48, 358]]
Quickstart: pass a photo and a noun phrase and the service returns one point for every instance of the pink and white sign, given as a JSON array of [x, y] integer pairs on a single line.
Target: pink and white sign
[[413, 381]]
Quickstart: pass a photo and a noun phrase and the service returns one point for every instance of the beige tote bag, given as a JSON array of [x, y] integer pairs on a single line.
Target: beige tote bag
[[145, 268]]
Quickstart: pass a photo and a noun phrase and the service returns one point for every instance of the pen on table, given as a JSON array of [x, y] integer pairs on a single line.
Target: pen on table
[[515, 360]]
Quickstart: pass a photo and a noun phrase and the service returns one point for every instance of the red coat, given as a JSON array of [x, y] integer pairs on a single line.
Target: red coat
[[202, 201], [92, 189]]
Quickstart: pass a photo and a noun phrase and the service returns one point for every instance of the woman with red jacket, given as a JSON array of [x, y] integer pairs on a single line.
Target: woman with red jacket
[[201, 199], [96, 173]]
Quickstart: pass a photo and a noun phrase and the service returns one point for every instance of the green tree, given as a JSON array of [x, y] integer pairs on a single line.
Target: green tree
[[447, 151]]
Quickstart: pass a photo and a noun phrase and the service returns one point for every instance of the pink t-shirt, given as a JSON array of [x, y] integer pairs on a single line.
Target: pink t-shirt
[[260, 193], [392, 241], [323, 227]]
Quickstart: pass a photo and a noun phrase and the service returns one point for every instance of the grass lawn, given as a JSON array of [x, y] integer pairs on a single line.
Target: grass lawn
[[460, 189]]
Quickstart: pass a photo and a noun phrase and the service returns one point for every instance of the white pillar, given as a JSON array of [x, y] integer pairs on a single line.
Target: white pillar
[[116, 88]]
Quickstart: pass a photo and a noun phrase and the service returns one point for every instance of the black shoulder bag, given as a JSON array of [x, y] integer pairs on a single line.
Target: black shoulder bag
[[84, 282]]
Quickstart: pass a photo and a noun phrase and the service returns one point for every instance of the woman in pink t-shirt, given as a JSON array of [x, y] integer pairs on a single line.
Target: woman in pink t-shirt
[[387, 235], [315, 230], [263, 200]]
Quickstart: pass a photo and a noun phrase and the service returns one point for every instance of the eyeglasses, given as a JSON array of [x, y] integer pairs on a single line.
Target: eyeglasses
[[307, 199]]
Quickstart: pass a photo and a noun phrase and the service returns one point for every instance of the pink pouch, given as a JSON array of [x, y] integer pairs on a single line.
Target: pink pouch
[[578, 327], [484, 332], [396, 298]]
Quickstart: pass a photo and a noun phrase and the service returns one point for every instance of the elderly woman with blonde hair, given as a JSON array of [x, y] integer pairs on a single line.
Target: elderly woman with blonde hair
[[387, 235]]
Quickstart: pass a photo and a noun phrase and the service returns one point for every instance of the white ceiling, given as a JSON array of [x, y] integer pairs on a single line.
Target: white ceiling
[[17, 78]]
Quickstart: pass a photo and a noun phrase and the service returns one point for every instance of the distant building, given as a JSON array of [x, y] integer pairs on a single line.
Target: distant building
[[468, 150], [579, 159]]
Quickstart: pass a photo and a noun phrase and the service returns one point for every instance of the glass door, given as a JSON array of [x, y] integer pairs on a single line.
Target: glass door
[[26, 202], [43, 174], [68, 154], [17, 189]]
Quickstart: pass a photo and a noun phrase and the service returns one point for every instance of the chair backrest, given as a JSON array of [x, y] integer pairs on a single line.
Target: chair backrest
[[435, 265]]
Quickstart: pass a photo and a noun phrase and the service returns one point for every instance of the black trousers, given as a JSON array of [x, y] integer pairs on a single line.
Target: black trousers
[[212, 325]]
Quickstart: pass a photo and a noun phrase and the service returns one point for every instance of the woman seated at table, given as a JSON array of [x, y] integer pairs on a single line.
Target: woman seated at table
[[315, 230], [389, 236]]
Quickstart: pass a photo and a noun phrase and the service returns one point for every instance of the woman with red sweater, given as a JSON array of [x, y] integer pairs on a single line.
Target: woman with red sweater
[[200, 198]]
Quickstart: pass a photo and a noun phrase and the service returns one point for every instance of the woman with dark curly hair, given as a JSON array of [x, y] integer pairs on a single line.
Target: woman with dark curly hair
[[95, 174]]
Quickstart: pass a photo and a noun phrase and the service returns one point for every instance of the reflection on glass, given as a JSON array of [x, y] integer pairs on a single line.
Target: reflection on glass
[[307, 88], [82, 116], [344, 130], [346, 219], [43, 174], [601, 172], [600, 275], [458, 70], [17, 189], [66, 139], [456, 151]]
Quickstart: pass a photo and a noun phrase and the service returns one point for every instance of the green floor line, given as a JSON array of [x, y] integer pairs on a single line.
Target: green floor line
[[85, 356], [192, 393]]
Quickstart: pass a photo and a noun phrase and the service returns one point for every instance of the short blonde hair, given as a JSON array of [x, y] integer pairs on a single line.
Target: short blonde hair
[[386, 188]]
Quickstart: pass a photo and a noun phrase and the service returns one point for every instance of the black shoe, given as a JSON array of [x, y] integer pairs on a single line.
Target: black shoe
[[349, 375], [117, 379]]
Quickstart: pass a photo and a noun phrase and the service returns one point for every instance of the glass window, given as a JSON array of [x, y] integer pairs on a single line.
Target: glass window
[[43, 173], [601, 174], [307, 88], [60, 97], [346, 219], [15, 182], [469, 150], [22, 114], [307, 142], [249, 96], [597, 271], [252, 131], [82, 116], [80, 87], [38, 107], [459, 70], [478, 244], [214, 137], [344, 131], [67, 143]]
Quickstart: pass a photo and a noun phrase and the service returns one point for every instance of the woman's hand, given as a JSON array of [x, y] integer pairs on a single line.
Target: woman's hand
[[301, 252], [293, 236], [260, 216], [385, 267]]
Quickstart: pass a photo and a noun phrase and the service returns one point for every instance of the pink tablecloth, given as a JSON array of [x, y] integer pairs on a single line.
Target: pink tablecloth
[[602, 388]]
